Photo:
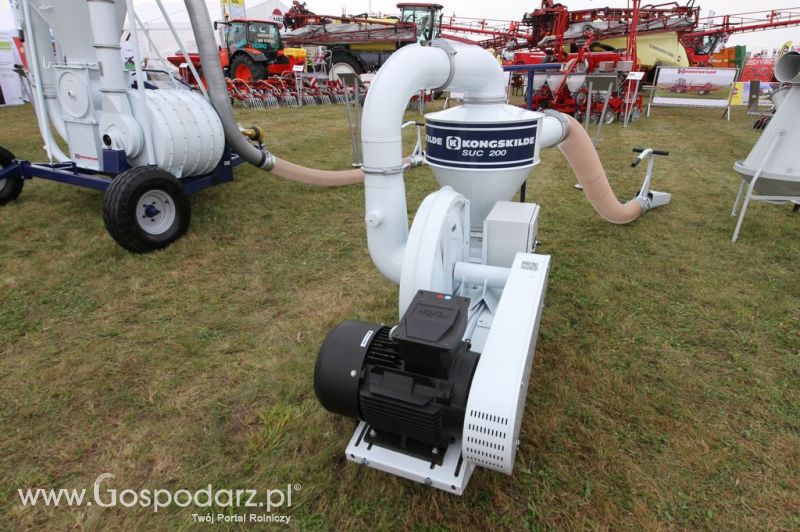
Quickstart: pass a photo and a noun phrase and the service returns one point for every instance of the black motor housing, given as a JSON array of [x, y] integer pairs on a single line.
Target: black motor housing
[[410, 383]]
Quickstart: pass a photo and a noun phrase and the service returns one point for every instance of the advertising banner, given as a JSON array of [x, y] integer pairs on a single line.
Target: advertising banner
[[741, 93], [759, 68], [696, 87]]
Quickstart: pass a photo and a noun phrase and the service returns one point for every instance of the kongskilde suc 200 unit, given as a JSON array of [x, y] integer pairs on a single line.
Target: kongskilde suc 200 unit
[[443, 391]]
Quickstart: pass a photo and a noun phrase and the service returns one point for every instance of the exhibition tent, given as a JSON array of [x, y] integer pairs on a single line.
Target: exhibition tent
[[159, 41]]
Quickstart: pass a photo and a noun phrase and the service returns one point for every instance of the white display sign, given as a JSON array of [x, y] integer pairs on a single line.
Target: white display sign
[[696, 87]]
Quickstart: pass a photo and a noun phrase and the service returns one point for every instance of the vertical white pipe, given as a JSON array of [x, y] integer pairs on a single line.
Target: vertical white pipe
[[44, 46], [144, 115], [41, 110], [407, 70]]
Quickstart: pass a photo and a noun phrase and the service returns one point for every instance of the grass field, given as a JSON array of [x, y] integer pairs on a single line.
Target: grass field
[[665, 391]]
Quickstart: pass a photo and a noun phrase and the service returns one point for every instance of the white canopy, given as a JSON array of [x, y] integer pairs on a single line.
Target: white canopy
[[158, 38]]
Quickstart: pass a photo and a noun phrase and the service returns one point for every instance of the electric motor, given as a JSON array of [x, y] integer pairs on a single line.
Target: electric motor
[[410, 383]]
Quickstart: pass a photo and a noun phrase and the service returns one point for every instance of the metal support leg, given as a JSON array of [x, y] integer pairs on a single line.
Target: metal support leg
[[753, 183], [744, 210], [600, 122], [588, 107], [738, 197]]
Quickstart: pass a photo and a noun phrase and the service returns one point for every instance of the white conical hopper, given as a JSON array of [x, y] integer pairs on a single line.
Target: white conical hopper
[[575, 82], [777, 148], [554, 81], [538, 81], [484, 152]]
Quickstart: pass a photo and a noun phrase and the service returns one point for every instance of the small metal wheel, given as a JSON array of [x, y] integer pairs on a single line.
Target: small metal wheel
[[10, 187], [635, 114], [145, 209], [611, 115]]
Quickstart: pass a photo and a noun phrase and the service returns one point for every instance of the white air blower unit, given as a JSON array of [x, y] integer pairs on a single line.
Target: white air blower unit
[[443, 391]]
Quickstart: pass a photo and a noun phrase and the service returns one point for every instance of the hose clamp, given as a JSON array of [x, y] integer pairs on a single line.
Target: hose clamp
[[561, 117], [267, 161], [391, 170], [444, 44]]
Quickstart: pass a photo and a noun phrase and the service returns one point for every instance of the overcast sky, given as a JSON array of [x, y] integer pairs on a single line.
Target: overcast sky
[[513, 10]]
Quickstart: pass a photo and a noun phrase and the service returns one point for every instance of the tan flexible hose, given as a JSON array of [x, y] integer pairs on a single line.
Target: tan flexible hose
[[581, 155], [312, 176]]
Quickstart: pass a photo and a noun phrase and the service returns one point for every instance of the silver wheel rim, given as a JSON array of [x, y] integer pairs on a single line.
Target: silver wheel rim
[[155, 212]]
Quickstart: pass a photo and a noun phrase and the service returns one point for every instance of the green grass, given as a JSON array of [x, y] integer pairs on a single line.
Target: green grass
[[665, 391]]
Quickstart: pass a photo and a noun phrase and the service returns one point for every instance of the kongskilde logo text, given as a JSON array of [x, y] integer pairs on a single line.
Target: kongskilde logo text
[[156, 499], [456, 143]]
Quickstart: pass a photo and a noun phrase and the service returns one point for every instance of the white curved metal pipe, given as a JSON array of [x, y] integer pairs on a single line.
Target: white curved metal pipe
[[407, 71], [52, 148], [43, 43], [457, 67]]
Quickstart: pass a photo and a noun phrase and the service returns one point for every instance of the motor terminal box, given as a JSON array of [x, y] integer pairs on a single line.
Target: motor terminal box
[[509, 228]]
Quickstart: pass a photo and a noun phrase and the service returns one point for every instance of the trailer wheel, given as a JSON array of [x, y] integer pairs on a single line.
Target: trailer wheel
[[243, 67], [344, 63], [10, 187], [145, 209]]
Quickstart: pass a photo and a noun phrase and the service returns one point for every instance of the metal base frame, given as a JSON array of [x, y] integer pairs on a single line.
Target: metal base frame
[[71, 174], [452, 476]]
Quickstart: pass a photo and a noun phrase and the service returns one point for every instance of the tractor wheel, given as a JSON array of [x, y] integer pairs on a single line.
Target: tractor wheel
[[344, 63], [10, 187], [145, 209], [243, 67], [611, 115]]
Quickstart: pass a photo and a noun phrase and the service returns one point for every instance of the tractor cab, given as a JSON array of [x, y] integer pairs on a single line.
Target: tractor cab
[[427, 19], [252, 49]]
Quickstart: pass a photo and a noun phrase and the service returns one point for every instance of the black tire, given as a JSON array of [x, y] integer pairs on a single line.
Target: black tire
[[258, 70], [128, 220], [10, 187], [346, 58]]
